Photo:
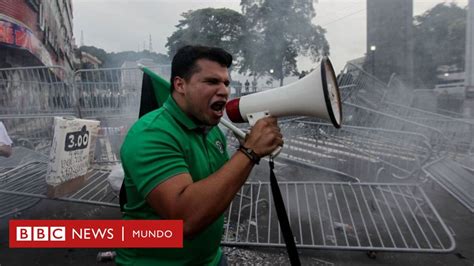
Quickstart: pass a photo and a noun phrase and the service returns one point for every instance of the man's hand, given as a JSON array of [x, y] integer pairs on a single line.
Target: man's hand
[[5, 150], [264, 137], [180, 197]]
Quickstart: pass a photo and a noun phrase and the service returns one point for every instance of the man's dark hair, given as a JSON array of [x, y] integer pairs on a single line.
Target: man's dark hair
[[184, 62]]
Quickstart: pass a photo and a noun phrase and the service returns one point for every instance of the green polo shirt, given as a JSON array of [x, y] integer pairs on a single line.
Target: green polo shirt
[[160, 145]]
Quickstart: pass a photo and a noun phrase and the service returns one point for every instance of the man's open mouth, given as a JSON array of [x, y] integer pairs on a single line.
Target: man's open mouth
[[218, 106]]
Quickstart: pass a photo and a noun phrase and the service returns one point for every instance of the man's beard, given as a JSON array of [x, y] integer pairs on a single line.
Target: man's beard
[[202, 120]]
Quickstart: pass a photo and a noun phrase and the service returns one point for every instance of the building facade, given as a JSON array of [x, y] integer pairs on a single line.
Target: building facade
[[36, 33], [390, 38], [85, 60]]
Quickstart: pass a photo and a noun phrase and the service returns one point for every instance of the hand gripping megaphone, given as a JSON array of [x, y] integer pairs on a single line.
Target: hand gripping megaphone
[[316, 95]]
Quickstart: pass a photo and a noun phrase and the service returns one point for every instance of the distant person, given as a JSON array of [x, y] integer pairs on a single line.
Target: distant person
[[238, 88], [5, 142], [254, 85], [176, 163], [247, 85]]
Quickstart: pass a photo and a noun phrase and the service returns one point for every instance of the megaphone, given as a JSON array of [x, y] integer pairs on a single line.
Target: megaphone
[[316, 95]]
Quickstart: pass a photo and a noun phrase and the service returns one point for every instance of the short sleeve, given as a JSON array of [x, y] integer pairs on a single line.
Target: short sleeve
[[151, 157]]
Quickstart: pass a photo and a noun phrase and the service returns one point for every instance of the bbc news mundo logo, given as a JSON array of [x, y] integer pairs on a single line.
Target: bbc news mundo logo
[[41, 233], [95, 234]]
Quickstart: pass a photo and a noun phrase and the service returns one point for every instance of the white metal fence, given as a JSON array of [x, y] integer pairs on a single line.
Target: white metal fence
[[347, 216], [375, 144]]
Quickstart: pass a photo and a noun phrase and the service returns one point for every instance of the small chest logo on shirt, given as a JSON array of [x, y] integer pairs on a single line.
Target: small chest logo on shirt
[[220, 146]]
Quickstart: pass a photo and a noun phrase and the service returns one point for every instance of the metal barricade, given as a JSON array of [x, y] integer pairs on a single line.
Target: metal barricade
[[449, 133], [459, 132], [35, 91], [398, 100], [354, 82], [366, 117], [344, 216], [111, 96], [364, 153], [30, 97], [373, 145], [33, 165], [454, 178]]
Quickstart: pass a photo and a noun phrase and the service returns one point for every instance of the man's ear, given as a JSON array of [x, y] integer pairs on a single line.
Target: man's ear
[[178, 84]]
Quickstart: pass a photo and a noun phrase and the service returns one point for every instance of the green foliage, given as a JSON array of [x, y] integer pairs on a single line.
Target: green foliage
[[440, 39], [101, 54], [117, 59], [269, 34], [278, 32], [221, 27]]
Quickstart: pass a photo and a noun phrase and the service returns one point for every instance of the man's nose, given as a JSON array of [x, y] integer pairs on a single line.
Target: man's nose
[[223, 90]]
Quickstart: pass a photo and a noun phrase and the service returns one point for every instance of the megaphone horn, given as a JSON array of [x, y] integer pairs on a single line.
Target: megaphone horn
[[316, 95]]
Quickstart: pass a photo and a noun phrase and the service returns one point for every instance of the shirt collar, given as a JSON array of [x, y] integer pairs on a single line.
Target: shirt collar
[[178, 114]]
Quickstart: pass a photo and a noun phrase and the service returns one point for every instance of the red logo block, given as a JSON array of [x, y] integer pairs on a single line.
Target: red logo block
[[95, 234]]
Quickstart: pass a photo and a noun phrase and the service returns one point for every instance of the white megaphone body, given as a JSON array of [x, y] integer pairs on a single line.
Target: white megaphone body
[[316, 95]]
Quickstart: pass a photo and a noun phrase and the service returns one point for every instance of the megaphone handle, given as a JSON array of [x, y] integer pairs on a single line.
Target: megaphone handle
[[237, 131], [253, 118], [276, 152]]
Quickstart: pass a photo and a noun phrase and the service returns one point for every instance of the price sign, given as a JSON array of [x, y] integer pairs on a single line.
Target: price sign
[[77, 140]]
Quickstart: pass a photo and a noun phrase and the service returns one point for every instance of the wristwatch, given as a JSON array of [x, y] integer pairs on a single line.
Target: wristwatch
[[250, 153]]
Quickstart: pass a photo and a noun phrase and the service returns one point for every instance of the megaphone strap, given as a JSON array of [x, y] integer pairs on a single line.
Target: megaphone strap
[[283, 218]]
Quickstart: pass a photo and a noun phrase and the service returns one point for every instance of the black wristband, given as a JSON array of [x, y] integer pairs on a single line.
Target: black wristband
[[250, 153]]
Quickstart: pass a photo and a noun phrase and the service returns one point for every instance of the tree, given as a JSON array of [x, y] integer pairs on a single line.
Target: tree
[[221, 27], [101, 54], [440, 39], [278, 31], [117, 59]]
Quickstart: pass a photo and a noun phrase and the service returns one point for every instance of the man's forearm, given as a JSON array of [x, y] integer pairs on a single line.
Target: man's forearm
[[204, 201], [200, 203]]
